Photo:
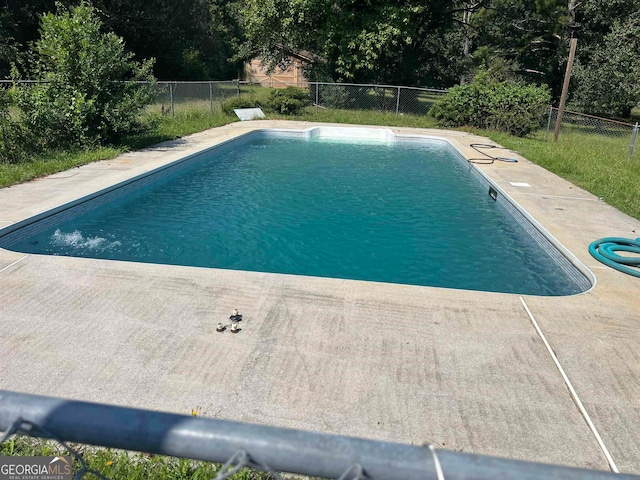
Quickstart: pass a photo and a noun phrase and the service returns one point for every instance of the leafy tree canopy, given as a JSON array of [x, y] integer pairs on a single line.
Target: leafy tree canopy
[[377, 40], [190, 39], [607, 80], [526, 34]]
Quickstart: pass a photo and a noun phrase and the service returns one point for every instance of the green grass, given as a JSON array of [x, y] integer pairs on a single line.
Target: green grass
[[597, 163], [119, 464], [168, 128], [364, 117], [52, 162], [182, 124]]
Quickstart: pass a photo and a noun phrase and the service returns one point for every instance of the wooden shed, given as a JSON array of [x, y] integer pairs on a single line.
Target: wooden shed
[[279, 78]]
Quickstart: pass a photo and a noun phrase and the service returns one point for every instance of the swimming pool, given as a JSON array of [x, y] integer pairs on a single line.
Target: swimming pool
[[381, 208]]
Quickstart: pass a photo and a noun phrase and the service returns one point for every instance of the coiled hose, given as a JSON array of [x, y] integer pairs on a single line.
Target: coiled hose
[[488, 159], [604, 250]]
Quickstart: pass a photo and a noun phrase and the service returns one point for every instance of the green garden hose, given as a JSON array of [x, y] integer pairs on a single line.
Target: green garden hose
[[604, 250]]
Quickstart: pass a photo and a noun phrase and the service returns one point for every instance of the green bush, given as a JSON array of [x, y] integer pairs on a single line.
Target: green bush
[[14, 137], [84, 97], [241, 102], [285, 101], [288, 101], [488, 103]]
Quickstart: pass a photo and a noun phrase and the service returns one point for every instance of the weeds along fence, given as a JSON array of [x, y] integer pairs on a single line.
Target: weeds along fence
[[261, 448], [180, 97], [576, 127], [392, 99], [177, 97]]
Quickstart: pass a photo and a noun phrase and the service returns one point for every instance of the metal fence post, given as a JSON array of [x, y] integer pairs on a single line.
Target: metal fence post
[[211, 98], [634, 136], [317, 96], [171, 98], [398, 102], [549, 123]]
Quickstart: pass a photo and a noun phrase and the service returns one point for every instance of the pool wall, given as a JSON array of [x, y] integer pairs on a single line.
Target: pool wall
[[564, 259]]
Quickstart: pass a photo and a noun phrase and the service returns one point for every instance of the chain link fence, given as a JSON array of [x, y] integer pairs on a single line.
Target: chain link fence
[[176, 98], [620, 136], [181, 97], [261, 448], [393, 99], [381, 98]]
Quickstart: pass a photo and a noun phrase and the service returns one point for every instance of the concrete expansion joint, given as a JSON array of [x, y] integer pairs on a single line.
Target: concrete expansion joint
[[572, 391], [12, 264]]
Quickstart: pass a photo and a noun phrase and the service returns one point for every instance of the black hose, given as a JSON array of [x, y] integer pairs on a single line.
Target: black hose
[[488, 159]]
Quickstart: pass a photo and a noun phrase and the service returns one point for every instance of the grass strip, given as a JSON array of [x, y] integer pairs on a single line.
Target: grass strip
[[125, 465], [168, 128], [597, 163]]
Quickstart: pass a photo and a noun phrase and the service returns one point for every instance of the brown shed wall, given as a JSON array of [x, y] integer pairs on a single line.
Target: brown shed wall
[[280, 78]]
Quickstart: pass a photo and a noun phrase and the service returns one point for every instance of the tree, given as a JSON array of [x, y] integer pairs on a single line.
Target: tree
[[607, 82], [526, 34], [83, 98], [7, 49], [596, 18], [374, 41], [190, 39], [607, 60], [19, 22]]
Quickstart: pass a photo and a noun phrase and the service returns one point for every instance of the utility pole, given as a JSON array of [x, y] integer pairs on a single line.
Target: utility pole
[[565, 87]]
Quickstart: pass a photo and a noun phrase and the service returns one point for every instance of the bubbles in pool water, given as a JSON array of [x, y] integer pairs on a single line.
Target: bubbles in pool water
[[76, 240]]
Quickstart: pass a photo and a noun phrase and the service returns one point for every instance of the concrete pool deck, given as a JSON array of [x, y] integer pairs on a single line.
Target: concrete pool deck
[[464, 370]]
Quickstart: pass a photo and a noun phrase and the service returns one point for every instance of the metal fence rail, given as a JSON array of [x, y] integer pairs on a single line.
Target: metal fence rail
[[263, 448]]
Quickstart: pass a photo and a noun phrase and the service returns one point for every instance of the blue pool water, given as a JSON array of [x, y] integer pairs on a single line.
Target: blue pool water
[[404, 212]]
